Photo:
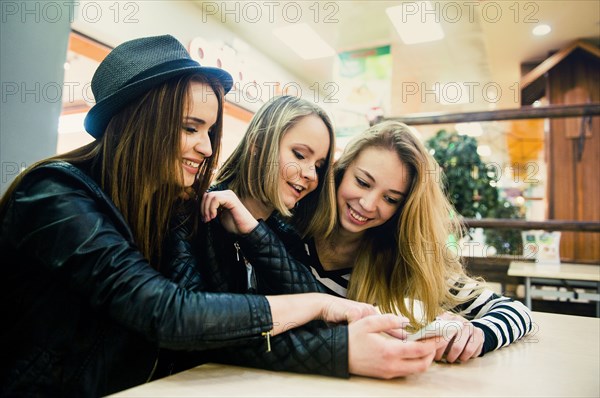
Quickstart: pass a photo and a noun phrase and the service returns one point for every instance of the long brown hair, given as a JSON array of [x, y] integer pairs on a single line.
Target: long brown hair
[[137, 160], [252, 170], [408, 258]]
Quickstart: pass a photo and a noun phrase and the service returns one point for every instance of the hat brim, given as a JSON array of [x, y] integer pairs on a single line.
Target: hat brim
[[100, 114]]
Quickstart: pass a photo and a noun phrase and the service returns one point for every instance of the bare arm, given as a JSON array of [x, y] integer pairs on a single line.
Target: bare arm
[[290, 311]]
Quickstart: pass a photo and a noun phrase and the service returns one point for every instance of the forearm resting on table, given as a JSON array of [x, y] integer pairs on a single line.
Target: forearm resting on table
[[293, 310]]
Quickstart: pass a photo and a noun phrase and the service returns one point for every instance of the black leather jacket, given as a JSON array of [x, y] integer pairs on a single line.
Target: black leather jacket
[[312, 348], [84, 313]]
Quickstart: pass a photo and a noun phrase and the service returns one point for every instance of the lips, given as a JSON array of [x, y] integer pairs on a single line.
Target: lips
[[355, 217], [191, 166], [297, 189]]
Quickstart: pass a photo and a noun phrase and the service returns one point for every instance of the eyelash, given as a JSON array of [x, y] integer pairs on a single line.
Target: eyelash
[[193, 130], [298, 155], [364, 184]]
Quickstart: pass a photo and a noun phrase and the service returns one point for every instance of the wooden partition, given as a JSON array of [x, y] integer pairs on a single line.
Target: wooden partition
[[571, 76]]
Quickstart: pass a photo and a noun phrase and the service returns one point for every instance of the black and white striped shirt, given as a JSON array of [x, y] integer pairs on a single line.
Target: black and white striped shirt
[[502, 319]]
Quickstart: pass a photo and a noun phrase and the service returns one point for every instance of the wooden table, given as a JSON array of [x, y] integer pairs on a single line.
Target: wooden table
[[543, 273], [560, 358]]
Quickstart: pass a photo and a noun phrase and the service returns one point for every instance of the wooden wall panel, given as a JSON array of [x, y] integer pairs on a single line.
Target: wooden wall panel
[[573, 177]]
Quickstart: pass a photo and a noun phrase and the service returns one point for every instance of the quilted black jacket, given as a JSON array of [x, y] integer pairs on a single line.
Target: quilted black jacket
[[230, 266], [84, 313]]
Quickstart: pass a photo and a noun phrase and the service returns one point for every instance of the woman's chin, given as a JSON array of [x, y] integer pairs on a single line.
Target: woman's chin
[[290, 203]]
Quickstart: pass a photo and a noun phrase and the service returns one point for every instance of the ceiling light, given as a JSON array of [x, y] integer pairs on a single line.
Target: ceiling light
[[304, 41], [541, 30], [415, 22]]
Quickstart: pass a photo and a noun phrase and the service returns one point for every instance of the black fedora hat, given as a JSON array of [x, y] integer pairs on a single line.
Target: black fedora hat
[[133, 68]]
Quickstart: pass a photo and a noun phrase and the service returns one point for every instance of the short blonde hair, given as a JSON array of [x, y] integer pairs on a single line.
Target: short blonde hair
[[252, 170]]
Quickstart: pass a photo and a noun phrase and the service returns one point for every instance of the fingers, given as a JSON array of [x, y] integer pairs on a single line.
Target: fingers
[[457, 345], [373, 353], [421, 349], [337, 309], [440, 351], [358, 311], [474, 345], [462, 345], [397, 333], [444, 345], [400, 367], [210, 206], [381, 323], [237, 219]]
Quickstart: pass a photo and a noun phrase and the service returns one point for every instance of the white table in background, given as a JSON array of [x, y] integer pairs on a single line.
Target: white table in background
[[536, 272]]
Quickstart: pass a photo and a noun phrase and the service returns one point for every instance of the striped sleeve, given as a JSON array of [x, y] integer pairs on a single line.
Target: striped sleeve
[[502, 319]]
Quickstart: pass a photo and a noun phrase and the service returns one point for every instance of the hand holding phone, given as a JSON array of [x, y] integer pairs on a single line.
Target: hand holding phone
[[437, 328]]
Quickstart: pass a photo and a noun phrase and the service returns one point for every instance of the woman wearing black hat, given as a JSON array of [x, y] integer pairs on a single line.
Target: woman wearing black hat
[[87, 237]]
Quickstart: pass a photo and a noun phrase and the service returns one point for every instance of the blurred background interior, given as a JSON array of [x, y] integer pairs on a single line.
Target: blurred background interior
[[504, 93]]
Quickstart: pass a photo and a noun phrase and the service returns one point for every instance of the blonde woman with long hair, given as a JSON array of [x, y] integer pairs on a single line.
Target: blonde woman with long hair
[[390, 246], [279, 174]]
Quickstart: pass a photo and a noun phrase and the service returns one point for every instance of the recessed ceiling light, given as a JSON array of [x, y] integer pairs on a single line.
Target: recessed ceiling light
[[415, 23], [304, 41], [541, 30]]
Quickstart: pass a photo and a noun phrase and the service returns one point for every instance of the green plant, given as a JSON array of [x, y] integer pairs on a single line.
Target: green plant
[[506, 241], [470, 186]]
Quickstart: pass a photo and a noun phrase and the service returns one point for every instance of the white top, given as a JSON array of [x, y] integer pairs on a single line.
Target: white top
[[578, 272], [561, 357]]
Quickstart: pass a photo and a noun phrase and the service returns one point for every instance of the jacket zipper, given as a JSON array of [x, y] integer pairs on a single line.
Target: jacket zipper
[[250, 277], [237, 250], [238, 253]]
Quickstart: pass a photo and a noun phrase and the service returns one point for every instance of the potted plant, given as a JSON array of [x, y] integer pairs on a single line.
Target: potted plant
[[470, 185]]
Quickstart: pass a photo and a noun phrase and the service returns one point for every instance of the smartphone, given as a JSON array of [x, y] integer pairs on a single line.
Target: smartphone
[[437, 328]]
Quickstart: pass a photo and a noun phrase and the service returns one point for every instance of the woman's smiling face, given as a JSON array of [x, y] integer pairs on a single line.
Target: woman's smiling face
[[372, 189], [196, 140], [302, 151]]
